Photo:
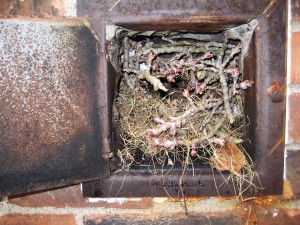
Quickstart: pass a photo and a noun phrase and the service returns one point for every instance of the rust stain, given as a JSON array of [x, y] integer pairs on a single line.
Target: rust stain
[[269, 6], [276, 91], [287, 190], [275, 87], [207, 20], [202, 18], [275, 147], [42, 8], [248, 209]]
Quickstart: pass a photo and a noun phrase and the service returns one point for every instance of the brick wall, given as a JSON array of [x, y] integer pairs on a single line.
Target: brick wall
[[67, 206]]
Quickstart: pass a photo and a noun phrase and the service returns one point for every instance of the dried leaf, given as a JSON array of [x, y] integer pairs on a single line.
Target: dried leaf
[[229, 157]]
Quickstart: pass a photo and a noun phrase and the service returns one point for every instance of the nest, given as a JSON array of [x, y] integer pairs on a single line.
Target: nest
[[181, 100]]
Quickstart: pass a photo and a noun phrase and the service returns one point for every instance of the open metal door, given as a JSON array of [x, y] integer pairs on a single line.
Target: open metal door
[[50, 131]]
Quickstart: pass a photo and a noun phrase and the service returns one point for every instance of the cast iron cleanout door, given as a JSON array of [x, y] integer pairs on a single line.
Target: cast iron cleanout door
[[264, 103], [49, 111]]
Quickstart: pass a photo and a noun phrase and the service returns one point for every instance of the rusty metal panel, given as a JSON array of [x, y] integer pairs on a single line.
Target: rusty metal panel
[[49, 118], [265, 64]]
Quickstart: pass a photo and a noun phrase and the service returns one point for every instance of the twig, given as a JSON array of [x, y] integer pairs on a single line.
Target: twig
[[175, 122], [173, 49], [201, 139], [225, 95], [223, 80], [126, 51], [114, 5]]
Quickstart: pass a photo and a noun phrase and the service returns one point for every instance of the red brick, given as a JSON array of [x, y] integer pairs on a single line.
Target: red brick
[[293, 123], [37, 219], [295, 58], [295, 8], [72, 197], [279, 217], [176, 219], [293, 171]]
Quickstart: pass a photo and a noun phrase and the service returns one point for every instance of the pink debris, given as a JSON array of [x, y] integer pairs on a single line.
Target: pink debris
[[245, 84], [194, 152]]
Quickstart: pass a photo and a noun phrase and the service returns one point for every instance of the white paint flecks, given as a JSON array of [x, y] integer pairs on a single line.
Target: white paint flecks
[[70, 8], [159, 200], [110, 31], [114, 200], [295, 26], [294, 88]]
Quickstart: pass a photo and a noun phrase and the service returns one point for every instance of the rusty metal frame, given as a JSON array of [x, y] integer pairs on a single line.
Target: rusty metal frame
[[265, 106]]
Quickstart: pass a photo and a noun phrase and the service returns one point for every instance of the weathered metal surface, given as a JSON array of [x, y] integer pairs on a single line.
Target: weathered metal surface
[[265, 64], [143, 183], [49, 118]]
